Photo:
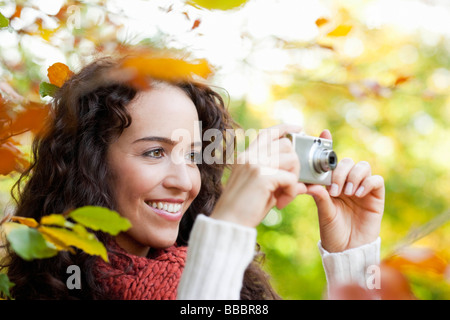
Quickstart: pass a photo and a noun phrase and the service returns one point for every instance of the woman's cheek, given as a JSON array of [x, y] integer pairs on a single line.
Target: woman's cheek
[[197, 182]]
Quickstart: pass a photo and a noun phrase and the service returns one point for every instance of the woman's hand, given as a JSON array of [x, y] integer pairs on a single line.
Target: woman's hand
[[350, 210], [264, 176]]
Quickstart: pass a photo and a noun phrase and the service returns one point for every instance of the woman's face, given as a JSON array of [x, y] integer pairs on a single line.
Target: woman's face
[[155, 176]]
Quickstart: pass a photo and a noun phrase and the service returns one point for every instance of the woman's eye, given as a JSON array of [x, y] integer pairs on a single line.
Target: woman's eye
[[155, 153], [195, 157]]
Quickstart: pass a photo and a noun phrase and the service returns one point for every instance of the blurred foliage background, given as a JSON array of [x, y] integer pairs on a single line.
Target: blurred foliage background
[[375, 73]]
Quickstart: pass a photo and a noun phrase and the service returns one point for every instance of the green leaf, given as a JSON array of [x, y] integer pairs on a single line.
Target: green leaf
[[28, 243], [47, 89], [4, 22], [217, 4], [85, 241], [99, 218], [5, 285]]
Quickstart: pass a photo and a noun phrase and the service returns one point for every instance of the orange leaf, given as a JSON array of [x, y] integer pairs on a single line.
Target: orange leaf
[[11, 158], [321, 21], [17, 13], [141, 68], [340, 31], [7, 162], [26, 221], [401, 79], [58, 73], [3, 111], [196, 24], [32, 119], [418, 259]]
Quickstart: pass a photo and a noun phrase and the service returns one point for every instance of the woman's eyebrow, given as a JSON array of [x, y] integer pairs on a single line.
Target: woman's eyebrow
[[166, 140]]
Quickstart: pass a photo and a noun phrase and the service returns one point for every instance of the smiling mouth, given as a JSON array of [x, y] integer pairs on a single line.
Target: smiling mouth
[[169, 207]]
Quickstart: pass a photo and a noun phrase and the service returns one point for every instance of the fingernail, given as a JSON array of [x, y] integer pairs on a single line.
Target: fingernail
[[348, 188], [334, 190], [360, 191]]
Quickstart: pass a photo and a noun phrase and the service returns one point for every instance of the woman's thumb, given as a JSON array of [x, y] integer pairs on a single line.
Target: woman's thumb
[[323, 200]]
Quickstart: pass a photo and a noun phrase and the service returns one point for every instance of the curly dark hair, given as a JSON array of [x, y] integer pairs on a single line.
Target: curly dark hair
[[69, 171]]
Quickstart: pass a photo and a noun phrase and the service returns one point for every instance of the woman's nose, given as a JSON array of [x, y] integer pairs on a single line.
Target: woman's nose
[[178, 177]]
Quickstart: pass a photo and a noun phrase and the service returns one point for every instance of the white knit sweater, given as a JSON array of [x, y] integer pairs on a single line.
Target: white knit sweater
[[220, 251]]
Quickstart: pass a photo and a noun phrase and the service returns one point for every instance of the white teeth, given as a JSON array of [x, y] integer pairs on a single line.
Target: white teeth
[[169, 207]]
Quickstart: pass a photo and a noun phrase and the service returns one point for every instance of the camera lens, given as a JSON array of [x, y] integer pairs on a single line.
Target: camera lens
[[332, 160], [325, 160]]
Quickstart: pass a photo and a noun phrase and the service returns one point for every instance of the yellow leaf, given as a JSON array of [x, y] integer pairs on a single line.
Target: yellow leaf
[[217, 4], [340, 31], [59, 245], [26, 221], [84, 241], [58, 73], [56, 219]]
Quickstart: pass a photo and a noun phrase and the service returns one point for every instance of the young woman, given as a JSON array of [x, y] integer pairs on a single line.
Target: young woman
[[109, 144]]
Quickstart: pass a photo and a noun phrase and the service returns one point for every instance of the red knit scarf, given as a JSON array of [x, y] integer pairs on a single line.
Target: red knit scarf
[[130, 277]]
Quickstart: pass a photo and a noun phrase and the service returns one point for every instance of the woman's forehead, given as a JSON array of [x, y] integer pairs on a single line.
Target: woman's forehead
[[163, 111]]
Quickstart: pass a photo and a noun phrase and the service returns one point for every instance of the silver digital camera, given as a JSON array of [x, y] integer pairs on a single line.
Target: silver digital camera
[[317, 158]]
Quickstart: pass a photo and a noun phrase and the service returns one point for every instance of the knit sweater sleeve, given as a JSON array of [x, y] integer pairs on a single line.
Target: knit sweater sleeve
[[352, 266], [218, 254]]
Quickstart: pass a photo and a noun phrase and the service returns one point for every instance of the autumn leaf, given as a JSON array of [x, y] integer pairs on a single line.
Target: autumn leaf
[[321, 21], [58, 73], [42, 32], [11, 158], [32, 119], [59, 244], [47, 89], [143, 67], [7, 161], [26, 221], [56, 220], [4, 22], [418, 259], [5, 286], [340, 31], [58, 233], [196, 24], [84, 241], [28, 243], [99, 218], [217, 4], [17, 13], [401, 79]]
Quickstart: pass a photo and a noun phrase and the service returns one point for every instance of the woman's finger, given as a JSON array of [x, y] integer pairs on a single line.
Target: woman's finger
[[339, 176], [326, 134], [284, 199], [286, 161], [373, 184], [324, 203], [357, 174], [285, 185], [277, 132]]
